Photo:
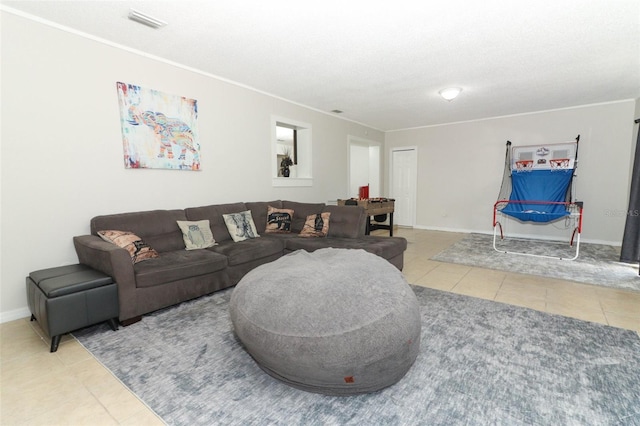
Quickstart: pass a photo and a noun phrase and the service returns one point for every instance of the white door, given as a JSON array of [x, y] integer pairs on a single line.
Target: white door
[[404, 172]]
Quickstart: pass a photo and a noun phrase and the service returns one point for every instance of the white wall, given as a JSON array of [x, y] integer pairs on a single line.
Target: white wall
[[61, 146], [460, 166], [358, 168], [375, 167], [636, 130], [365, 164]]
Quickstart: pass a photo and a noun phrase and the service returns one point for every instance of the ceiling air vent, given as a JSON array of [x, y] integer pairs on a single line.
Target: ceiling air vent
[[145, 19]]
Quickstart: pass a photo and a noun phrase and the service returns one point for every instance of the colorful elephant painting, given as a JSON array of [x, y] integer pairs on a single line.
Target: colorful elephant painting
[[150, 136]]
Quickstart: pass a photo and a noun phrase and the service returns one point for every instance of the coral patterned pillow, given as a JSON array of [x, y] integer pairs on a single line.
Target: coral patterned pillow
[[138, 249]]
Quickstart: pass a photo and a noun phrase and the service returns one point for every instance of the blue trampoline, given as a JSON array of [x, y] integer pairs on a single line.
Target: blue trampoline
[[537, 188]]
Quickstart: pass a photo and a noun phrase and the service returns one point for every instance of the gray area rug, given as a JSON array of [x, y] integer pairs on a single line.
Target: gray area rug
[[480, 363], [597, 264]]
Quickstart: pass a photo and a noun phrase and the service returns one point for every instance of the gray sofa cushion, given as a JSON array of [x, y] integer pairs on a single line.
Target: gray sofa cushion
[[346, 221], [177, 265], [158, 228], [248, 250], [386, 247], [214, 214]]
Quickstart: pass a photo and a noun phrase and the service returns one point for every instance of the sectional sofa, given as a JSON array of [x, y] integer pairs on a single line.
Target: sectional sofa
[[174, 274]]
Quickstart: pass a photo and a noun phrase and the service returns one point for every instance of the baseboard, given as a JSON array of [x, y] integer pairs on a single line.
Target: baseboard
[[14, 315]]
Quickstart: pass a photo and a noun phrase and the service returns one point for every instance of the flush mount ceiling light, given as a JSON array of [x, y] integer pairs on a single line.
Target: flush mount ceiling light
[[145, 19], [450, 93]]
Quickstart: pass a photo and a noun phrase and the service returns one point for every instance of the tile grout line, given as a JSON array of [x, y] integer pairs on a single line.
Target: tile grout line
[[495, 296]]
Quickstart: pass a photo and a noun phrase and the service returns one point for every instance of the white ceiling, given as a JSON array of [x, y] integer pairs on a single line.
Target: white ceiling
[[383, 62]]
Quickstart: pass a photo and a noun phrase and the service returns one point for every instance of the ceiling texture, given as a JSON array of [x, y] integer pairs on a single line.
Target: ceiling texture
[[383, 62]]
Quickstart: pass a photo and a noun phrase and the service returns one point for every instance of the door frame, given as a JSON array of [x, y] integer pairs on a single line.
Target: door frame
[[355, 140], [414, 148]]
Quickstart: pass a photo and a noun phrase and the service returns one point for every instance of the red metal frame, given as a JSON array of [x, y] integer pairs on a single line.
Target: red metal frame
[[576, 232]]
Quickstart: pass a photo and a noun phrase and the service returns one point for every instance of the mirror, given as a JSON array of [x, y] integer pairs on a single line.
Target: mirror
[[286, 146], [292, 138]]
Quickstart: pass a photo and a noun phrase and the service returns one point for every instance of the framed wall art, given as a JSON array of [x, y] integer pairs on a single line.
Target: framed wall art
[[159, 130]]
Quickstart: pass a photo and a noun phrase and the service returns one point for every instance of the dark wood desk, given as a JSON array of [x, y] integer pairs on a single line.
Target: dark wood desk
[[374, 207]]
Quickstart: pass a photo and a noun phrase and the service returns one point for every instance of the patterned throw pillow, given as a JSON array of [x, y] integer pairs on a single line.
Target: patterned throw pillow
[[316, 225], [138, 249], [241, 226], [278, 220], [196, 235]]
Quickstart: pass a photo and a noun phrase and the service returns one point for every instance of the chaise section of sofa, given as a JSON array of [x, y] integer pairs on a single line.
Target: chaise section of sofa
[[390, 248], [347, 230]]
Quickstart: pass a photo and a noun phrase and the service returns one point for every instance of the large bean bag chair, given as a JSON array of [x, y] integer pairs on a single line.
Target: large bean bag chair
[[334, 321]]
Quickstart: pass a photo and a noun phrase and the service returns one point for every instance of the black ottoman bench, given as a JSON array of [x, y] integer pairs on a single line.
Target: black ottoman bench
[[70, 297]]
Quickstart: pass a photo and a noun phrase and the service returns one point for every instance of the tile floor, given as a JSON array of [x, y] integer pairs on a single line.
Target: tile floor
[[71, 387]]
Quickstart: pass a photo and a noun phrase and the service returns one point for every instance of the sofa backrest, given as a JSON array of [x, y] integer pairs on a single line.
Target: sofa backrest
[[158, 228], [214, 214], [346, 221], [300, 213], [259, 212]]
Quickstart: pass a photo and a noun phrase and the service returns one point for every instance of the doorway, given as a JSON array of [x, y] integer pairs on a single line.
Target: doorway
[[403, 184], [364, 166]]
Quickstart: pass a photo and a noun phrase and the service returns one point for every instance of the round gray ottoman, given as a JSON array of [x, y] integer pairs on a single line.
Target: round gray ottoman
[[334, 321]]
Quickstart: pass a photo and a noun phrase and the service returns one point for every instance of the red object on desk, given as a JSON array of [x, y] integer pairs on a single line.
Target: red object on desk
[[363, 194]]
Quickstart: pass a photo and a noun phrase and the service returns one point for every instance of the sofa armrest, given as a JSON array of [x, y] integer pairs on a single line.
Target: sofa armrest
[[346, 221], [113, 261]]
